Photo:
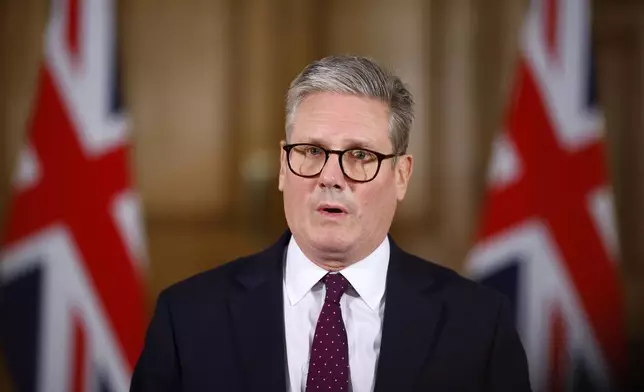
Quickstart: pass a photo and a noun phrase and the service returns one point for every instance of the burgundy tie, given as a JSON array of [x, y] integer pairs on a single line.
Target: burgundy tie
[[329, 357]]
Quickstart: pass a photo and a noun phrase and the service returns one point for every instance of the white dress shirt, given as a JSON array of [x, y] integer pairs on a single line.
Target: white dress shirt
[[362, 306]]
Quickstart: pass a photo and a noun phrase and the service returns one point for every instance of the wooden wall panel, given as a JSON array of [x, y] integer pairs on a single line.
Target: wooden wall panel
[[175, 62], [619, 38], [21, 25]]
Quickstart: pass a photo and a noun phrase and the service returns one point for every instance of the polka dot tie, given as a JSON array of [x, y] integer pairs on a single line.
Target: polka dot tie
[[329, 357]]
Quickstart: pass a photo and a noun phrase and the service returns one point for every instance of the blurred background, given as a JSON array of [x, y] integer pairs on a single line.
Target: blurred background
[[204, 81]]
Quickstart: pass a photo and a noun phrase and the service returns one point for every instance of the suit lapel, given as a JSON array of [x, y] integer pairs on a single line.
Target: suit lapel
[[411, 320], [257, 315]]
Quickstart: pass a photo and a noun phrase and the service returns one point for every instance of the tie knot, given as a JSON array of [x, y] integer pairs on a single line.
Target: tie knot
[[336, 285]]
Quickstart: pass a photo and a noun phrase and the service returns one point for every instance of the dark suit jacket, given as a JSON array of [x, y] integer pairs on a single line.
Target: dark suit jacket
[[223, 330]]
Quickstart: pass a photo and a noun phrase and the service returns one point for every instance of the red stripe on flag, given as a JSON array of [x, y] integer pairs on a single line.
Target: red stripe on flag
[[78, 191], [551, 26], [79, 360], [73, 28], [558, 352]]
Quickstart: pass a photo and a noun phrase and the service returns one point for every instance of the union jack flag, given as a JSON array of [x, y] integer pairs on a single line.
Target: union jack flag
[[71, 293], [547, 237]]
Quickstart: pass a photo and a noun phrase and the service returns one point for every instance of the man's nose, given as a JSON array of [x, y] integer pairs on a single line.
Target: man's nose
[[331, 175]]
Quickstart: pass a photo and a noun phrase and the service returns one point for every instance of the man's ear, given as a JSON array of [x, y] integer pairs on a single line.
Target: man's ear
[[403, 170], [283, 163]]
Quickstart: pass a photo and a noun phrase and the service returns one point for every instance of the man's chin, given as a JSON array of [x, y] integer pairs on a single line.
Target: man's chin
[[332, 240]]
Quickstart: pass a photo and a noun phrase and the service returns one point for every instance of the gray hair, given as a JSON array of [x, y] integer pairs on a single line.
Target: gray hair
[[357, 76]]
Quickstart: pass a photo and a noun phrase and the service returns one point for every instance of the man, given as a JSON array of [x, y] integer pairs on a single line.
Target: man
[[335, 304]]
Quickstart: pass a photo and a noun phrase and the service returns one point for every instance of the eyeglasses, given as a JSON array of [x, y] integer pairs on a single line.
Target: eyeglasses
[[358, 164]]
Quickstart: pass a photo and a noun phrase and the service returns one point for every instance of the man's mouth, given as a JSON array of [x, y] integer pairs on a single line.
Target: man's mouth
[[332, 209]]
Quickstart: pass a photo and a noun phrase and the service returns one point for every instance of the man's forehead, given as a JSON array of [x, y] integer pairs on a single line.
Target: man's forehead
[[322, 124], [314, 131], [342, 105]]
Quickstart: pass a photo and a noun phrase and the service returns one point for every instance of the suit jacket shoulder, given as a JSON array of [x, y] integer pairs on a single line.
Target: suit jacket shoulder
[[227, 279], [462, 293], [442, 331], [210, 330]]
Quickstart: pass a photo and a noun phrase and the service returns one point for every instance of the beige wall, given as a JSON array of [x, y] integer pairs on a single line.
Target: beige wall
[[204, 82], [620, 43]]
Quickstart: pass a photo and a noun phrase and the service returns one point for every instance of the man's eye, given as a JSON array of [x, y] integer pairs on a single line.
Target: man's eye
[[313, 150], [359, 154]]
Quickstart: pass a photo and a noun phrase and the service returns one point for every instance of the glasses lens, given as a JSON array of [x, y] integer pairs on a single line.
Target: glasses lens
[[307, 159], [360, 165]]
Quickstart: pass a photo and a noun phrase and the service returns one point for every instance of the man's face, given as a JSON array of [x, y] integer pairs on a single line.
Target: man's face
[[338, 122]]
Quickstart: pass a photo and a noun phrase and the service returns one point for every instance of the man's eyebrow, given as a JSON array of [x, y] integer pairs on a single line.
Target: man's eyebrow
[[347, 144], [314, 140], [360, 144]]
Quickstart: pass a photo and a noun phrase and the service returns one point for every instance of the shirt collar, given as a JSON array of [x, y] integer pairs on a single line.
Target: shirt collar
[[367, 277], [301, 273]]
